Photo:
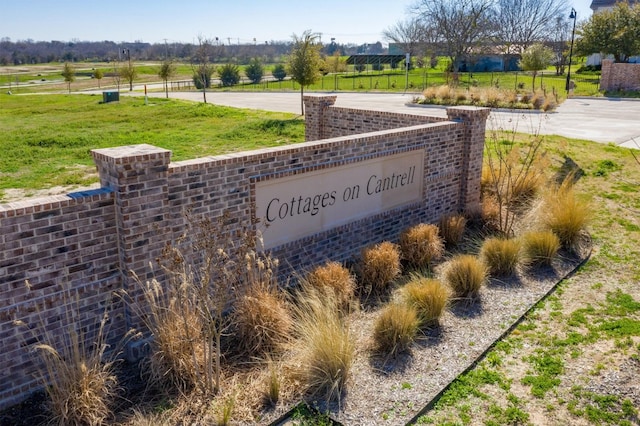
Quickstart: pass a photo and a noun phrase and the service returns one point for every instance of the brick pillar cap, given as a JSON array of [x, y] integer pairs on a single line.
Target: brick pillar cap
[[132, 152]]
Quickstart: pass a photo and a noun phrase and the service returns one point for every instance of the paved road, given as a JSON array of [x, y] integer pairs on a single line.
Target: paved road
[[602, 120]]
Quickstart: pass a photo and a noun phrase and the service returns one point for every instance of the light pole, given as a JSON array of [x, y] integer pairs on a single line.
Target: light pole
[[128, 53], [573, 15]]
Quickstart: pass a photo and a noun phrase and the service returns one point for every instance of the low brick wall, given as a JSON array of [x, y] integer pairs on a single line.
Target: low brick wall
[[619, 76], [81, 248]]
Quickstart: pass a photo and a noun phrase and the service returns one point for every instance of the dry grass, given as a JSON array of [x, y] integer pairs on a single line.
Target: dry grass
[[565, 214], [465, 274], [395, 328], [540, 247], [500, 255], [452, 228], [325, 347], [428, 296], [421, 245], [77, 367], [379, 266], [262, 321], [335, 279], [177, 330]]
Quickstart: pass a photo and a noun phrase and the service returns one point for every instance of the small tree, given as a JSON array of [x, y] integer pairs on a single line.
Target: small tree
[[166, 72], [254, 71], [229, 74], [304, 61], [612, 32], [279, 72], [537, 57], [98, 75], [69, 75], [202, 67], [129, 73]]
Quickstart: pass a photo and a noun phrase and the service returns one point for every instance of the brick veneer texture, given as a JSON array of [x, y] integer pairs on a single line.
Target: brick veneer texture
[[619, 76], [92, 244]]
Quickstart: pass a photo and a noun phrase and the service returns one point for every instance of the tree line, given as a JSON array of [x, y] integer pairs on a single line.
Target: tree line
[[38, 52]]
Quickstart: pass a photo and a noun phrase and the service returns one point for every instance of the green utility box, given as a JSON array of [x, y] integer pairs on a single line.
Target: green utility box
[[110, 96]]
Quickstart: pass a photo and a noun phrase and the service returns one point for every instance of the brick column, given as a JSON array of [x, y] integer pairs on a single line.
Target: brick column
[[474, 120], [314, 107], [137, 175], [606, 75]]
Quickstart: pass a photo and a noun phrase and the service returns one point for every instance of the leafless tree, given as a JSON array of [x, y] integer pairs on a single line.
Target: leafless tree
[[520, 23], [463, 26], [202, 64], [407, 34]]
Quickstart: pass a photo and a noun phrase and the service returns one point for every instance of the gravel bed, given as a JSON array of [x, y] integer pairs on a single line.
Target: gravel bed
[[394, 391]]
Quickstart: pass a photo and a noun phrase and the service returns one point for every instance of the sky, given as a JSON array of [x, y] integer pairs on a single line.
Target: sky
[[235, 21]]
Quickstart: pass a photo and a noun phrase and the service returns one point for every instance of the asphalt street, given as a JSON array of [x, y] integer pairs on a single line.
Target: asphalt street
[[604, 120]]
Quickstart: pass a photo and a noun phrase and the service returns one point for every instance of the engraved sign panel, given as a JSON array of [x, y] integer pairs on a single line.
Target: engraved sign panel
[[296, 206]]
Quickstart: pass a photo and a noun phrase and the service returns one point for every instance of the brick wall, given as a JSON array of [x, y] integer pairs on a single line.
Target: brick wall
[[619, 76], [89, 245]]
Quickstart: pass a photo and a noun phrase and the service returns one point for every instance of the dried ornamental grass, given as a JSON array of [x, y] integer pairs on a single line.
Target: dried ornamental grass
[[379, 266], [501, 256], [335, 278], [540, 247], [452, 228], [395, 328], [565, 214], [465, 274], [421, 245], [325, 346], [262, 321], [428, 296]]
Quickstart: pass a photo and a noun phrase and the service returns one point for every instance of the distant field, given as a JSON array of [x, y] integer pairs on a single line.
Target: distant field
[[46, 139], [37, 78]]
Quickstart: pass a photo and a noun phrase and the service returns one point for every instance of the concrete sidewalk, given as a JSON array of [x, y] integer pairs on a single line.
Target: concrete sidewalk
[[603, 120]]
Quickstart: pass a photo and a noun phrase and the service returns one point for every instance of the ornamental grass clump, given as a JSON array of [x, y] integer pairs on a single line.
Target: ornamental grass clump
[[75, 363], [395, 329], [500, 255], [262, 321], [540, 247], [379, 266], [325, 347], [428, 296], [333, 277], [565, 214], [421, 245], [466, 275], [452, 228]]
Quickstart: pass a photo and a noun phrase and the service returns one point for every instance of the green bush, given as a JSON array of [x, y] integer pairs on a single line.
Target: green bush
[[254, 71], [279, 72], [229, 75]]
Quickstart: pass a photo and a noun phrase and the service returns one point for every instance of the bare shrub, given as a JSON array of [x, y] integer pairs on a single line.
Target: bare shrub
[[466, 275], [395, 328], [379, 266], [421, 245], [335, 278], [512, 175], [428, 296], [501, 256]]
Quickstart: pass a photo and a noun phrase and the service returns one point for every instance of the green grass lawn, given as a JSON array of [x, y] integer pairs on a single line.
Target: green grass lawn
[[46, 139]]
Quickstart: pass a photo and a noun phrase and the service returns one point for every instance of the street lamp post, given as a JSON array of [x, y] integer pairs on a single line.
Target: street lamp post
[[128, 53], [573, 15]]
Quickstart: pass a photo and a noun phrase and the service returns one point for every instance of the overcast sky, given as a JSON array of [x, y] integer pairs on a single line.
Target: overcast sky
[[154, 21]]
